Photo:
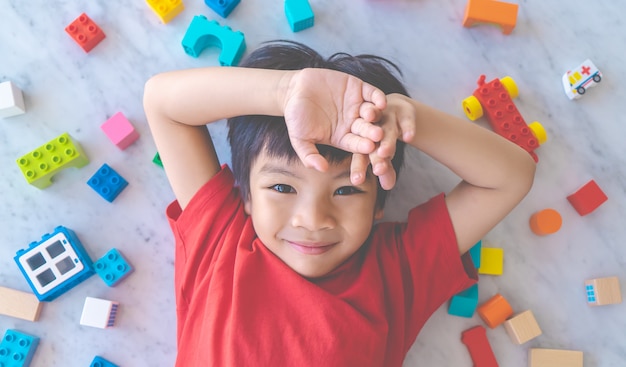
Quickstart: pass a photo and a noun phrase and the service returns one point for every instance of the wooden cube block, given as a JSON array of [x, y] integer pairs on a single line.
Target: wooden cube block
[[99, 313], [19, 304], [554, 358], [491, 261], [522, 327], [603, 291], [11, 100]]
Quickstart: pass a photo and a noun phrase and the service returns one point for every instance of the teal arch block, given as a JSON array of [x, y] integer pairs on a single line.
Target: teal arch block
[[203, 33]]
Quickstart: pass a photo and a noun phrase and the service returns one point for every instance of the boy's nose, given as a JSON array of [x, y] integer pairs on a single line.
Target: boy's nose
[[313, 215]]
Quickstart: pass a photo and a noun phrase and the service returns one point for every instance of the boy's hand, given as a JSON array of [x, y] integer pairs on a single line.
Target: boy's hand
[[328, 107]]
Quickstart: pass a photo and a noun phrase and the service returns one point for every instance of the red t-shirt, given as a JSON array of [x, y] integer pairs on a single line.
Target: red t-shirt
[[240, 305]]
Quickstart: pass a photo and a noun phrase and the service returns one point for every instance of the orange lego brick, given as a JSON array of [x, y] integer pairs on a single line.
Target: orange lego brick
[[491, 12], [554, 358], [587, 198], [495, 311], [545, 222], [522, 327], [85, 32], [19, 304]]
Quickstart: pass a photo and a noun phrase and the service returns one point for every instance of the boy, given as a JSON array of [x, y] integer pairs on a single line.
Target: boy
[[292, 271]]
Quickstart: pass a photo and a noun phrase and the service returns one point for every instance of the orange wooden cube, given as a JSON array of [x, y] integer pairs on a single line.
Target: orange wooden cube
[[495, 311]]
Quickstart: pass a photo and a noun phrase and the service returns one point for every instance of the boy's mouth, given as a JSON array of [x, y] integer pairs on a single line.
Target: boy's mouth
[[311, 248]]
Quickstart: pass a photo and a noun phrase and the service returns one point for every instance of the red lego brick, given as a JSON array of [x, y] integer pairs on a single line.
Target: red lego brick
[[85, 32], [587, 198], [479, 348]]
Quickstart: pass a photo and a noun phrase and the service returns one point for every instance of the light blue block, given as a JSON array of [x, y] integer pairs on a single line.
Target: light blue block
[[299, 14], [203, 33], [101, 362], [112, 267], [464, 303], [222, 7], [17, 349], [475, 253]]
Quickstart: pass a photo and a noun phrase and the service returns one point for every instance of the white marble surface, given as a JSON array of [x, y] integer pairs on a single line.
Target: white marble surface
[[67, 90]]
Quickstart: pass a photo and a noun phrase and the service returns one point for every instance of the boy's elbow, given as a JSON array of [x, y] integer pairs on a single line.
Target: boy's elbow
[[526, 175]]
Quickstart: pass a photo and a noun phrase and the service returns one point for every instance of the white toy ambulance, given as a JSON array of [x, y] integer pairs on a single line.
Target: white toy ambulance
[[577, 81]]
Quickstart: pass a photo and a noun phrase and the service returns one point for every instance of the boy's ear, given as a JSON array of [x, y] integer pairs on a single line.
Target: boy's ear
[[247, 206], [378, 213]]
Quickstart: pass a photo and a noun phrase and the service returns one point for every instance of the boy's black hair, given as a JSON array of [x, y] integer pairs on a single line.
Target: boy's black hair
[[249, 135]]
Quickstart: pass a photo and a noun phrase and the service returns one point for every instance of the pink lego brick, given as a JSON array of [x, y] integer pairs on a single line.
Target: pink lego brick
[[120, 131]]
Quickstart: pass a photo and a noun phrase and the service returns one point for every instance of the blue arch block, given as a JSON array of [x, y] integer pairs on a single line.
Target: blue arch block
[[203, 33]]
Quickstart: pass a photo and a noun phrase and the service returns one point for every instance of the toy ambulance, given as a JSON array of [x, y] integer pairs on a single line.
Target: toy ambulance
[[577, 81]]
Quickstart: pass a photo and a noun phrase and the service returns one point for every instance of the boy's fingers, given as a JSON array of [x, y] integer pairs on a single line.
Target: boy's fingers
[[388, 180], [356, 144], [358, 168], [374, 95], [309, 155], [387, 147], [369, 112], [367, 130], [383, 169]]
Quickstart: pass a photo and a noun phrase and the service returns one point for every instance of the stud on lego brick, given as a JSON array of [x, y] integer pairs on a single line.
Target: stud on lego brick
[[495, 311], [588, 198], [603, 291], [113, 267], [522, 327], [100, 313], [464, 303], [299, 14], [11, 100], [55, 264], [491, 261], [538, 357], [39, 165], [85, 32], [203, 33], [545, 222], [120, 131], [491, 12], [108, 183], [475, 339], [17, 348], [577, 81], [21, 305], [166, 10], [222, 7], [101, 362]]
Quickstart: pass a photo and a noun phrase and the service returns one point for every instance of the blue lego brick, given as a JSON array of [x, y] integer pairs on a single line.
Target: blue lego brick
[[203, 33], [299, 14], [475, 253], [101, 362], [464, 303], [222, 7], [107, 183], [17, 349], [55, 264], [113, 267]]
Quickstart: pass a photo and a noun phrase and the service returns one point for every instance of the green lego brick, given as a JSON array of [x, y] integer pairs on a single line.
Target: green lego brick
[[39, 165], [157, 160]]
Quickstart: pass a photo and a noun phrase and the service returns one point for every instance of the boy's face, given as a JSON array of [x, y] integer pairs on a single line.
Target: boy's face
[[313, 221]]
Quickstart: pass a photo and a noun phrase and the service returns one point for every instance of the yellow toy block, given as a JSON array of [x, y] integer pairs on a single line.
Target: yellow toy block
[[554, 358], [41, 164], [491, 261], [166, 10], [522, 327]]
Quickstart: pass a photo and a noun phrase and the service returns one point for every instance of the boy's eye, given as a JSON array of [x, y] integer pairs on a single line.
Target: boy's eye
[[283, 189], [347, 190]]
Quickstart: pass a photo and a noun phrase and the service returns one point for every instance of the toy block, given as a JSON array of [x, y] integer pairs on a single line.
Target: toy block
[[113, 267], [39, 165], [588, 198], [479, 348], [299, 14], [101, 362], [554, 358], [577, 81], [222, 7], [166, 10], [603, 291], [522, 327], [11, 100], [99, 313], [55, 264], [120, 131], [491, 261], [157, 160], [108, 183], [464, 303], [491, 12], [85, 32], [475, 253], [203, 33], [546, 221], [17, 349], [19, 304], [495, 311]]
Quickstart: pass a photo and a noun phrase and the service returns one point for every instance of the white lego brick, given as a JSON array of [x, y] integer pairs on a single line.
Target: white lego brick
[[99, 313], [11, 100]]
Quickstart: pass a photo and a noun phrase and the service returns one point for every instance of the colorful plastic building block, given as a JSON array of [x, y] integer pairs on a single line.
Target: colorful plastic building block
[[603, 291], [495, 311], [522, 327], [107, 183], [85, 32], [546, 221], [17, 349], [19, 304], [101, 362], [464, 303], [203, 33], [11, 100], [39, 165], [99, 313], [475, 253], [120, 131], [113, 267], [491, 261], [479, 348], [157, 160], [491, 12], [166, 10], [299, 14], [577, 81], [496, 100], [588, 198], [554, 358], [222, 7], [55, 264]]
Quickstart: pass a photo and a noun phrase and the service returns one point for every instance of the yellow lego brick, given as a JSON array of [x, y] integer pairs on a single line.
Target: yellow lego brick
[[39, 165], [166, 10], [491, 261]]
